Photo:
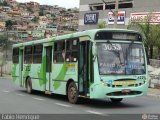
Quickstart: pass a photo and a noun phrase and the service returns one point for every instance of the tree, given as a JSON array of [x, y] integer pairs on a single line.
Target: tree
[[3, 46], [9, 24], [5, 3], [2, 62], [149, 32], [102, 24], [3, 41], [41, 12], [29, 9], [35, 19], [156, 36]]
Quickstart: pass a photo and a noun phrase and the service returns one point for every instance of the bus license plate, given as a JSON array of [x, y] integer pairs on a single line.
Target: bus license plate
[[126, 91], [124, 82]]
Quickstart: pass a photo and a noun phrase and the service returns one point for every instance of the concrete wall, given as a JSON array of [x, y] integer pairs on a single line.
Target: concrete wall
[[6, 69], [138, 6]]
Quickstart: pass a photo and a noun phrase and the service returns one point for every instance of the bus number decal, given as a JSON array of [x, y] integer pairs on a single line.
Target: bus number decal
[[110, 47]]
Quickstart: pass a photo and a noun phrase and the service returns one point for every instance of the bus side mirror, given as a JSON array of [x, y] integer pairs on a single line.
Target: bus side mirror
[[94, 51], [147, 56], [148, 61]]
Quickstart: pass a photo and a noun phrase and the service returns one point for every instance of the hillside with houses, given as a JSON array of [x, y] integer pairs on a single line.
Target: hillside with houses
[[28, 21]]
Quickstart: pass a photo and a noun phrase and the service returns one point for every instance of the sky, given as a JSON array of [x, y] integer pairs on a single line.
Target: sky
[[60, 3]]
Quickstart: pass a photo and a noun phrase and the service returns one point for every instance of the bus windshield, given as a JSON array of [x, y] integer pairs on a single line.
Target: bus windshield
[[121, 58]]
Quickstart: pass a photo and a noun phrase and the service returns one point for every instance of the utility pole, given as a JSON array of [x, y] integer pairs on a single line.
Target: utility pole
[[116, 14]]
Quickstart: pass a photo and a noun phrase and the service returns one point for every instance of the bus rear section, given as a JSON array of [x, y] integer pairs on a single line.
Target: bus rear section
[[120, 67]]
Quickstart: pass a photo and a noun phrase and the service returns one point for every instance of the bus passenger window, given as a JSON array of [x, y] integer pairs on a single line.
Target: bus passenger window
[[59, 52], [37, 54], [72, 50], [28, 55], [71, 57], [15, 55]]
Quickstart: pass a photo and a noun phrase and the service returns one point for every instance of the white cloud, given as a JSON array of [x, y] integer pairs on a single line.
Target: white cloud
[[61, 3]]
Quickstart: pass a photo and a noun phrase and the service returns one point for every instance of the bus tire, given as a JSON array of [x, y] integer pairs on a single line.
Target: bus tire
[[116, 100], [72, 93], [29, 85]]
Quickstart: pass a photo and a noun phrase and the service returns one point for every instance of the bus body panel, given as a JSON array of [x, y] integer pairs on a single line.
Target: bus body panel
[[100, 91], [33, 71], [16, 74], [61, 73]]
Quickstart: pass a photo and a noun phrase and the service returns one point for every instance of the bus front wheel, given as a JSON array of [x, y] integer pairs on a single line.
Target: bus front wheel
[[72, 93], [29, 85], [116, 100]]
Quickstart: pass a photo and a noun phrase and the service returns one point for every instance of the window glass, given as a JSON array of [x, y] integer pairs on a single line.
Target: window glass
[[28, 55], [15, 56], [59, 52], [37, 54], [72, 50]]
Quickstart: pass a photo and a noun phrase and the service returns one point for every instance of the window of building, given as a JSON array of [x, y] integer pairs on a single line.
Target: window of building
[[28, 55], [15, 56], [98, 6], [126, 5], [110, 6], [37, 53]]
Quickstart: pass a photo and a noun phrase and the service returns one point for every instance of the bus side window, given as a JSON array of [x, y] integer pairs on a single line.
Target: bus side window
[[15, 55], [59, 52], [28, 54], [72, 50], [37, 54]]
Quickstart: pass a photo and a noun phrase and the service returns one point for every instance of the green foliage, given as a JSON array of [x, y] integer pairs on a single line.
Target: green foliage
[[3, 40], [35, 19], [41, 12], [29, 9], [9, 24], [5, 3], [102, 24], [150, 32]]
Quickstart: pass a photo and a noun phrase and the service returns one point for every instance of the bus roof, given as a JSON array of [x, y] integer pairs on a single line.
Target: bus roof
[[90, 33]]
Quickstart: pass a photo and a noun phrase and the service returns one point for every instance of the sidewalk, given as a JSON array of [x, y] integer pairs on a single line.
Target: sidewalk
[[5, 76], [154, 92]]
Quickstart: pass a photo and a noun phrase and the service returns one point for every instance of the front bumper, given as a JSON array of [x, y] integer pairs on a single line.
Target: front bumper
[[102, 91]]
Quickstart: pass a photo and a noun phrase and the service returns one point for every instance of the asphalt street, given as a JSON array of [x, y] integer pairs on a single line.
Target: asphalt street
[[14, 99]]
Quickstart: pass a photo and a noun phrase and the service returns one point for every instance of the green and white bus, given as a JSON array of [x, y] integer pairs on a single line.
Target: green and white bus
[[96, 64]]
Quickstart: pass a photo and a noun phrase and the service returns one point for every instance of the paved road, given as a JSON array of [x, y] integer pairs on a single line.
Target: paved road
[[14, 99]]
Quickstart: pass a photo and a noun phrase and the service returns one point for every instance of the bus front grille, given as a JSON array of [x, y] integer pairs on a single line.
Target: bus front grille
[[129, 85], [120, 93]]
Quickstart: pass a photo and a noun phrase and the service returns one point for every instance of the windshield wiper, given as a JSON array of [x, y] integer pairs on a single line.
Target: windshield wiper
[[117, 53], [131, 43]]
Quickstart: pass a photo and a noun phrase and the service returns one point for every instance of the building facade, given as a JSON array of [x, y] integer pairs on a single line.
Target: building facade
[[94, 11]]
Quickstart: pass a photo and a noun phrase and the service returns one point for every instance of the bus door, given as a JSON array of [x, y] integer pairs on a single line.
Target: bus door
[[48, 68], [83, 72], [21, 56]]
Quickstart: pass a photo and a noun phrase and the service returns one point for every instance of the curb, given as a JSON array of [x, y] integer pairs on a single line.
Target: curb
[[5, 77], [153, 95]]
